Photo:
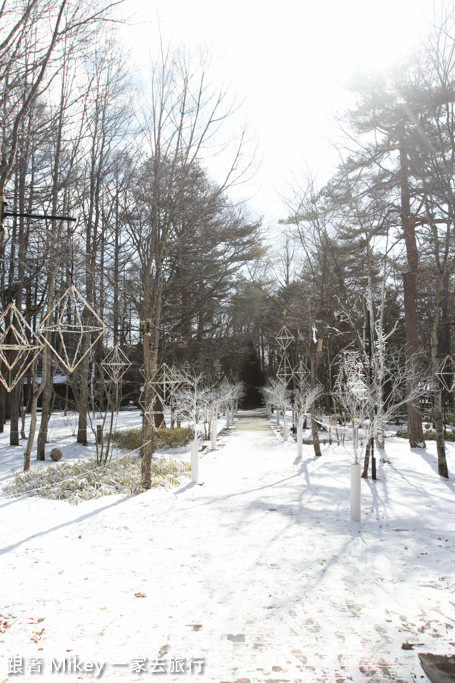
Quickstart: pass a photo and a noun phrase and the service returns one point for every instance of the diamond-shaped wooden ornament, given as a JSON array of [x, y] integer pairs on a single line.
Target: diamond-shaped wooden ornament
[[218, 369], [344, 373], [445, 374], [284, 338], [148, 402], [340, 380], [186, 368], [301, 372], [165, 381], [19, 346], [284, 372], [75, 328], [115, 364]]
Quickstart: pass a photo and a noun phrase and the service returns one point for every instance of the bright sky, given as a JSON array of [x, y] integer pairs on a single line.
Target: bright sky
[[289, 61]]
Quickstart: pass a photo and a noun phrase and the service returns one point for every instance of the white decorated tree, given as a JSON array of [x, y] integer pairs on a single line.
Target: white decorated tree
[[190, 402], [369, 407], [278, 395], [304, 399]]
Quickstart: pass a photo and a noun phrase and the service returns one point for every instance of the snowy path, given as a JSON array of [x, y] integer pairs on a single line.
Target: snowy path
[[258, 572]]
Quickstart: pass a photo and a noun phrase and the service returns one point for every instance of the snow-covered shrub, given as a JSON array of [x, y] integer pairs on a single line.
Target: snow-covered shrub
[[85, 479]]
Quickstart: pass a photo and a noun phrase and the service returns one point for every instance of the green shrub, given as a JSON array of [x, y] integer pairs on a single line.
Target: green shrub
[[174, 437], [131, 439], [429, 435]]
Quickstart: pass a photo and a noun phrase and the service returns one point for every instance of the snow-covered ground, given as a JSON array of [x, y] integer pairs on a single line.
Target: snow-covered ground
[[258, 574]]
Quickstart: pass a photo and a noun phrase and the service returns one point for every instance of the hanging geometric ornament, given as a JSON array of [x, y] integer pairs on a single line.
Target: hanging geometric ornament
[[349, 368], [186, 368], [284, 372], [115, 364], [176, 374], [218, 369], [339, 385], [301, 372], [284, 338], [445, 374], [150, 404], [164, 382], [75, 327], [19, 346]]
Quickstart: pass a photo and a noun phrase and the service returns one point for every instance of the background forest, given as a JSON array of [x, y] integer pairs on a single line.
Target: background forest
[[175, 268]]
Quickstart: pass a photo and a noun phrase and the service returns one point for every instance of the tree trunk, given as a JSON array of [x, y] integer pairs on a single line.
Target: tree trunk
[[366, 461], [150, 351], [33, 421], [437, 398], [443, 470], [315, 434], [314, 364], [82, 403], [15, 410], [415, 431], [2, 408], [46, 408]]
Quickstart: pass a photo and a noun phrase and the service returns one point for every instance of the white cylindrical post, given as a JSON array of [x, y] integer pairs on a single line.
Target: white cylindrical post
[[277, 417], [355, 492], [299, 439], [285, 427], [214, 434], [195, 461], [228, 417]]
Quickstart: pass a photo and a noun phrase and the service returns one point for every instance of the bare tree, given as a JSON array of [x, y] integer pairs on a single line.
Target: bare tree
[[32, 38], [105, 123], [183, 121]]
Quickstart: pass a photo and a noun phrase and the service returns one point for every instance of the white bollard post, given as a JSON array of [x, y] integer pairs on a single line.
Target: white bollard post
[[214, 434], [277, 417], [285, 427], [195, 461], [228, 415], [299, 440], [355, 492]]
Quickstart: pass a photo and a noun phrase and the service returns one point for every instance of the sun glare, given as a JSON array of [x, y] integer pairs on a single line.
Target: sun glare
[[372, 34], [288, 62]]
